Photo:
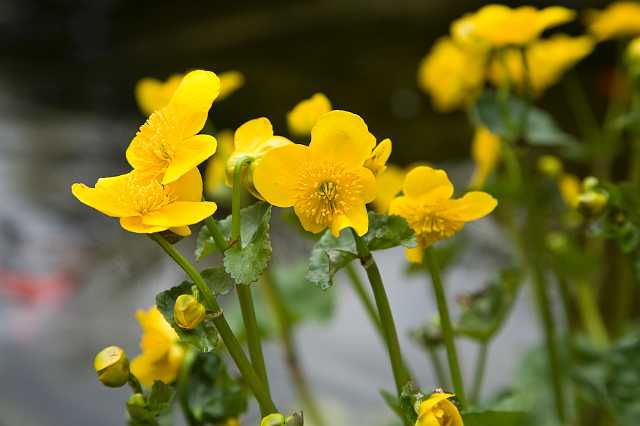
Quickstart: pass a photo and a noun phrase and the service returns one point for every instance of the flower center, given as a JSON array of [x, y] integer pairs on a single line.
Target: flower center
[[147, 195], [429, 223], [158, 139], [326, 190]]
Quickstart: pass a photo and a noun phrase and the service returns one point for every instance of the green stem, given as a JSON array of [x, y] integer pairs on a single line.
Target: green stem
[[183, 385], [447, 327], [244, 290], [436, 362], [590, 313], [528, 92], [135, 384], [283, 318], [384, 311], [514, 171], [361, 292], [216, 232], [480, 367], [219, 320], [583, 114]]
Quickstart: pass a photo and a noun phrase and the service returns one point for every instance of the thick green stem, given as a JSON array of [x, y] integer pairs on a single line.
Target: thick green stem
[[387, 323], [244, 290], [447, 327], [478, 375], [283, 318], [590, 313], [183, 385], [216, 233], [134, 383], [219, 320]]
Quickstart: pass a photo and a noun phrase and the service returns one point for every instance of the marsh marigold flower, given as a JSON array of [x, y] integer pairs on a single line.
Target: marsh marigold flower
[[153, 94], [162, 354], [437, 410], [145, 205], [168, 144], [389, 184], [306, 113], [619, 19], [431, 212], [188, 313], [547, 60], [451, 75], [485, 151], [497, 25], [325, 182]]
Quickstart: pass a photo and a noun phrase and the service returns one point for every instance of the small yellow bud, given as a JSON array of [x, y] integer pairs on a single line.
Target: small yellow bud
[[550, 165], [275, 419], [589, 183], [188, 312], [112, 366], [592, 202]]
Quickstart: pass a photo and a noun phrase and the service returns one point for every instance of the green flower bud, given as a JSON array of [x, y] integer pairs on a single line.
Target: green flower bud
[[112, 367], [275, 419], [550, 165], [589, 183], [136, 400], [188, 312], [592, 202], [296, 419]]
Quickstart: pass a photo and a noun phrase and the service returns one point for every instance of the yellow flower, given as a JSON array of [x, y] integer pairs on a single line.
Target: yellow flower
[[377, 163], [437, 410], [306, 113], [497, 25], [485, 151], [145, 205], [570, 189], [389, 185], [451, 75], [162, 353], [547, 60], [619, 19], [325, 182], [216, 170], [431, 212], [153, 94], [168, 145]]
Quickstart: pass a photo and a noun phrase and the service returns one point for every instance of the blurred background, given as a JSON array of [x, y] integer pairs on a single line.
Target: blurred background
[[71, 279]]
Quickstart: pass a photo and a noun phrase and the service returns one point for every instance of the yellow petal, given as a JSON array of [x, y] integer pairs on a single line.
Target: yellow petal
[[149, 95], [192, 100], [472, 206], [188, 187], [341, 137], [306, 113], [368, 182], [134, 224], [308, 222], [424, 180], [230, 81], [180, 213], [252, 133], [276, 176], [485, 151], [104, 197], [414, 254], [189, 153], [183, 231], [355, 218], [389, 184]]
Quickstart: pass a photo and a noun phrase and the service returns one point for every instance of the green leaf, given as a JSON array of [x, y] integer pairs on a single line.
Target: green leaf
[[205, 244], [246, 262], [213, 395], [218, 280], [156, 410], [542, 130], [392, 402], [160, 397], [330, 254], [484, 312], [493, 418], [204, 337]]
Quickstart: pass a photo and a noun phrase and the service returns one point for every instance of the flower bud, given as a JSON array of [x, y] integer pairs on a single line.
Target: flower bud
[[556, 242], [296, 419], [188, 312], [550, 165], [112, 366], [275, 419], [592, 202], [136, 400], [589, 183]]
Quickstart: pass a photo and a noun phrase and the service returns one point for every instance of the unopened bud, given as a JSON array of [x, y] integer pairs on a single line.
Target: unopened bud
[[188, 313], [550, 165], [556, 242], [112, 367], [592, 202], [136, 400], [589, 183], [275, 419], [296, 419]]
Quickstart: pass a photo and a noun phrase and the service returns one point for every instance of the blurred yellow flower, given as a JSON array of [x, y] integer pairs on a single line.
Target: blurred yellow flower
[[389, 185], [153, 94], [168, 145], [377, 163], [431, 212], [485, 151], [452, 76], [145, 205], [306, 113], [216, 170], [162, 352], [325, 182], [497, 25], [437, 410], [619, 19], [547, 60], [570, 189]]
